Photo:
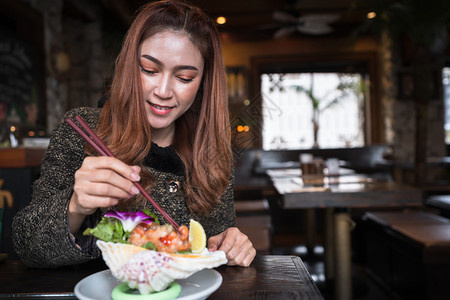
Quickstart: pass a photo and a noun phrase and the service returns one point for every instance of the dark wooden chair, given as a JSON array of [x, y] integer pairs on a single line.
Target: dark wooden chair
[[441, 203], [408, 252], [253, 218]]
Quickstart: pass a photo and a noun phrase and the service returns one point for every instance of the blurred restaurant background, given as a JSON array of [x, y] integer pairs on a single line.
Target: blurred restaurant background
[[361, 84]]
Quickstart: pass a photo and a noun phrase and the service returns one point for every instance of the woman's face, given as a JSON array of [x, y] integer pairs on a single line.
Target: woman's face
[[171, 73]]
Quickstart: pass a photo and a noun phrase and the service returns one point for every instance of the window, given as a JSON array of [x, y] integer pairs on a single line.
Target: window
[[295, 103]]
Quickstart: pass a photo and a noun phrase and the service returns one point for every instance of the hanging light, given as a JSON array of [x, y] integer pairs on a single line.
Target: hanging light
[[371, 15], [221, 20]]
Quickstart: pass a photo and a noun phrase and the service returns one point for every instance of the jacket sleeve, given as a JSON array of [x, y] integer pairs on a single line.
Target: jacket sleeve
[[223, 215], [41, 234]]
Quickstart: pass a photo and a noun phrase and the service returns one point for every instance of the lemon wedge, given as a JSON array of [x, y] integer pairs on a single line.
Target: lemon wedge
[[197, 236]]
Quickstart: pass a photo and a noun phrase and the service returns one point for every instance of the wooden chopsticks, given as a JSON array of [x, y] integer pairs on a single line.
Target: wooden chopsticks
[[101, 148]]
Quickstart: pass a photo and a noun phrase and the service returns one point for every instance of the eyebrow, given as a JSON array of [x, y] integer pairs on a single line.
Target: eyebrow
[[177, 68]]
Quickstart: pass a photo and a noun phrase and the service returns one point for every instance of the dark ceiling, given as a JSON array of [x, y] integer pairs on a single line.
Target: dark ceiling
[[253, 19]]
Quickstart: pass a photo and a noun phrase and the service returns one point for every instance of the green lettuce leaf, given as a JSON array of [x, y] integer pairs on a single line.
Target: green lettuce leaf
[[149, 213], [109, 230], [149, 246]]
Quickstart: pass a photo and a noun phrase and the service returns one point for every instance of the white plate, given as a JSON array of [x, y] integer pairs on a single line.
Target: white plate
[[100, 285]]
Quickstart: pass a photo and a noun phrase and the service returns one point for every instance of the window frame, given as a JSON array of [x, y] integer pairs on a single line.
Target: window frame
[[365, 62]]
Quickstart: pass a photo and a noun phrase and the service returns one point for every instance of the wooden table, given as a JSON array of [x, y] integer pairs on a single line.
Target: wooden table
[[337, 194], [268, 277]]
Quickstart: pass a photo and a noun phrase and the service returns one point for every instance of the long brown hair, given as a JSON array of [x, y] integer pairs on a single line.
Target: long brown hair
[[202, 136]]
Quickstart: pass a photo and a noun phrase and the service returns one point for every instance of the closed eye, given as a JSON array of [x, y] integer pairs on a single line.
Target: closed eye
[[146, 71], [186, 79], [182, 78]]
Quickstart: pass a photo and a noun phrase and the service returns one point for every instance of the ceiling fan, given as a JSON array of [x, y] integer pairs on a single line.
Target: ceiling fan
[[308, 23]]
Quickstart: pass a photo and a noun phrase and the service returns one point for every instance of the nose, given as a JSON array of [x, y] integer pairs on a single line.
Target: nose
[[163, 87]]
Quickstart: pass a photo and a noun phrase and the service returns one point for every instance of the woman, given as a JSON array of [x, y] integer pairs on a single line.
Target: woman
[[166, 121]]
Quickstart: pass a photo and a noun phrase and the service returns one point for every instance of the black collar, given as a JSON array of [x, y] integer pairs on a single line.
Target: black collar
[[164, 159]]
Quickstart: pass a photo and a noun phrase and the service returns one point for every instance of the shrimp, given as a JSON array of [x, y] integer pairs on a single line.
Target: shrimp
[[163, 237], [137, 236]]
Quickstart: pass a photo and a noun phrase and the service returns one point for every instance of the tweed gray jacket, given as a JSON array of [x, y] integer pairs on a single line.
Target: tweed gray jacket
[[41, 234]]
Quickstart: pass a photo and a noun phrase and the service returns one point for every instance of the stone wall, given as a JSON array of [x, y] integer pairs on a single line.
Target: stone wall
[[79, 37], [399, 115]]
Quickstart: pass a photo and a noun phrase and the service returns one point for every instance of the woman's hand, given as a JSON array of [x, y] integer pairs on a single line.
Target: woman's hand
[[100, 182], [236, 245]]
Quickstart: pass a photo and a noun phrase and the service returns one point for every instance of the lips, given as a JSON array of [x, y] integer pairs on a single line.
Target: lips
[[160, 109]]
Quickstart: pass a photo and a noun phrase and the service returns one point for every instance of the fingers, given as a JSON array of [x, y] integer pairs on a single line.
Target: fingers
[[236, 245], [102, 182], [240, 249], [214, 242], [112, 164]]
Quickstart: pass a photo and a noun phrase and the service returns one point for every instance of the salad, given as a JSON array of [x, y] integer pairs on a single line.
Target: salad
[[141, 229]]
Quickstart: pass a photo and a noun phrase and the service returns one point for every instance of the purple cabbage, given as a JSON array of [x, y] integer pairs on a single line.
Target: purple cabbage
[[130, 220]]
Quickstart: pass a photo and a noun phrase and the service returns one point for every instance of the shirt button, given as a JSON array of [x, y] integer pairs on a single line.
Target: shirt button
[[174, 186]]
